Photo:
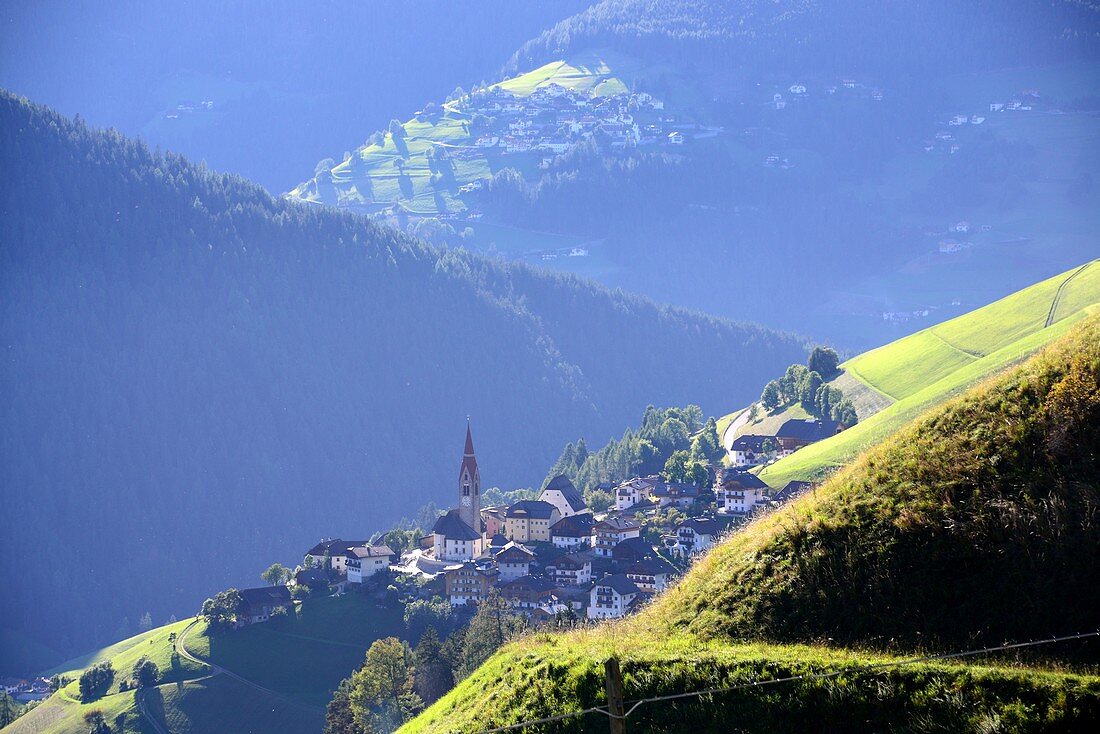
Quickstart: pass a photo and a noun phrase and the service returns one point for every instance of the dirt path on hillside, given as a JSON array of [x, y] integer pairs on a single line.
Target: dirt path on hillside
[[1061, 289], [181, 648]]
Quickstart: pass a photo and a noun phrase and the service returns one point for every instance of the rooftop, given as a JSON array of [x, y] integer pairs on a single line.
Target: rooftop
[[453, 527], [620, 583]]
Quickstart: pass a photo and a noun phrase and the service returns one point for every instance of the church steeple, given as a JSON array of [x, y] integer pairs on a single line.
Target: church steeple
[[469, 485]]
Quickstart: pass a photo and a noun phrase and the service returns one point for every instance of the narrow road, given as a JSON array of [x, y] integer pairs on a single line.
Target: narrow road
[[730, 434], [1061, 290], [157, 726]]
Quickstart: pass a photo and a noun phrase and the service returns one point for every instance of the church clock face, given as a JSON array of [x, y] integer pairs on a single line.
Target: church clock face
[[465, 501]]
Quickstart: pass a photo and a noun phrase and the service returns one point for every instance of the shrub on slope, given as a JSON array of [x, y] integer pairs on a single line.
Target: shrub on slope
[[977, 523]]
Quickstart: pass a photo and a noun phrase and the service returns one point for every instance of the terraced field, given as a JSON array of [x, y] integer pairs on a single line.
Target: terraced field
[[406, 173]]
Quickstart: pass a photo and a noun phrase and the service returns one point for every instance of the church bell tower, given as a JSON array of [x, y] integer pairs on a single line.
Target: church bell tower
[[469, 485]]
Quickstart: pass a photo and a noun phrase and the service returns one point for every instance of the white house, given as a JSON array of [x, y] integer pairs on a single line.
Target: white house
[[695, 536], [675, 138], [333, 553], [365, 561], [561, 493], [612, 597], [633, 491], [627, 495], [752, 449], [574, 531], [739, 492], [573, 569], [613, 531], [651, 574]]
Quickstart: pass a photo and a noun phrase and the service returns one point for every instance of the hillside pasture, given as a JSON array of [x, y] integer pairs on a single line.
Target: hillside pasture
[[924, 369], [327, 636], [222, 704], [63, 714], [818, 460]]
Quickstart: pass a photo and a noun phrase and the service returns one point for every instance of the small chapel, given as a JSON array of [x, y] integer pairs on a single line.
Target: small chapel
[[459, 535]]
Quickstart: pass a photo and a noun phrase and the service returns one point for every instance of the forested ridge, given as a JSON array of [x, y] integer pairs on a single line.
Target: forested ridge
[[920, 37], [236, 376]]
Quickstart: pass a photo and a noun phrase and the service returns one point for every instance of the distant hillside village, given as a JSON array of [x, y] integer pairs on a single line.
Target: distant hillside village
[[552, 555]]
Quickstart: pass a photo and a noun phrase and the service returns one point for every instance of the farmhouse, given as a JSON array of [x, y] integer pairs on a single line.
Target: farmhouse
[[365, 561], [469, 581], [695, 535], [739, 492], [514, 561], [678, 495], [632, 550], [651, 574], [257, 605], [798, 433], [613, 597], [752, 449], [613, 531], [526, 592], [333, 553], [572, 569], [573, 531]]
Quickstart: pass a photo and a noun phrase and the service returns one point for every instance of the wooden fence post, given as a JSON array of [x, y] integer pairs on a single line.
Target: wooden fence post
[[614, 681]]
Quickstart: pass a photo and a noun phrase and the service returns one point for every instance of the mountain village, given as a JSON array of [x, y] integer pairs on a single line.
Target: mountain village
[[553, 555]]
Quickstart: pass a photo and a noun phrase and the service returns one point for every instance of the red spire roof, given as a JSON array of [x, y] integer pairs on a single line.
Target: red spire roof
[[469, 461], [469, 441]]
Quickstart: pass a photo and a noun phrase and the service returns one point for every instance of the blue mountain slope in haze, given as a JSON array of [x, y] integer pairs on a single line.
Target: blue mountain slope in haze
[[199, 379]]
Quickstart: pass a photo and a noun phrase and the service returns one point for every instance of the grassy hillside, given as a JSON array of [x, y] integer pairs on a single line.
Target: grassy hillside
[[976, 524], [894, 383], [291, 667], [548, 675]]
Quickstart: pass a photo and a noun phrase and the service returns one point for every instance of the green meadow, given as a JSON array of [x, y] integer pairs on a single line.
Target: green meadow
[[925, 369]]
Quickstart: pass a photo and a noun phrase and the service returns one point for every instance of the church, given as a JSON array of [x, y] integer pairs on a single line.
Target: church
[[459, 535]]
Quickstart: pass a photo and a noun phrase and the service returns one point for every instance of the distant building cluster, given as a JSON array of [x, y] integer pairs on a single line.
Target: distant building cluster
[[553, 119], [25, 691]]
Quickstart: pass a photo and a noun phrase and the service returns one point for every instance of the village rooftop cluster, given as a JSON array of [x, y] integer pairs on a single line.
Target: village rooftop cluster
[[553, 554]]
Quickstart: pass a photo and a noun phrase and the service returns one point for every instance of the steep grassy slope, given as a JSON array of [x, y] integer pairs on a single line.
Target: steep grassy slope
[[894, 383], [977, 523], [196, 371], [986, 507]]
